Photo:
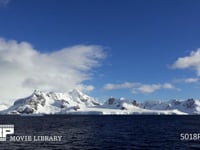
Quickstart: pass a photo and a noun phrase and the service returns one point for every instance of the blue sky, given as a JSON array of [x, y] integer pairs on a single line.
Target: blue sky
[[146, 48]]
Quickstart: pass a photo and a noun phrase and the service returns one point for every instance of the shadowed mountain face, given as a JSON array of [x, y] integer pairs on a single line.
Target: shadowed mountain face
[[75, 102]]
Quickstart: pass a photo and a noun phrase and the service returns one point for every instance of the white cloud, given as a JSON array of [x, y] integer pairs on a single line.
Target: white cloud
[[125, 85], [139, 87], [147, 88], [191, 80], [187, 80], [85, 88], [150, 88], [168, 86], [4, 3], [192, 61], [23, 68]]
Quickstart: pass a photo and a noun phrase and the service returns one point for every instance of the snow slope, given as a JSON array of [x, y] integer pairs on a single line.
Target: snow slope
[[3, 106], [132, 107], [75, 102], [189, 106], [51, 103]]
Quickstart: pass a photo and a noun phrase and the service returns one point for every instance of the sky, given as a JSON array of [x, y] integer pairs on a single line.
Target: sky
[[138, 49]]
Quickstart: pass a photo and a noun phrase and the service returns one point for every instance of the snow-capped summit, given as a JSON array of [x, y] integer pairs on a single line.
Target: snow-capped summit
[[51, 103], [121, 103], [75, 102], [190, 106], [79, 97]]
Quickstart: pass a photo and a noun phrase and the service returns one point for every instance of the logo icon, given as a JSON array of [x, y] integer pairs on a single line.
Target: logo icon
[[5, 130]]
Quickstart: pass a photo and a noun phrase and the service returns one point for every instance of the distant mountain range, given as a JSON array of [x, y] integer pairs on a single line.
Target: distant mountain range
[[75, 102]]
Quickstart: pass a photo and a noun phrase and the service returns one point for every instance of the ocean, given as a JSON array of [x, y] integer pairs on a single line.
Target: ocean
[[102, 132]]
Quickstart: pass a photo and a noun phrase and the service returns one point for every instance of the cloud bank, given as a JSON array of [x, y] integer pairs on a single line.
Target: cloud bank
[[23, 68], [137, 88], [187, 80], [125, 85], [192, 62]]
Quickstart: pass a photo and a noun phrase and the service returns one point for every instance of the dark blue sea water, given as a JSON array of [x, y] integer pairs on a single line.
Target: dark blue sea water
[[105, 132]]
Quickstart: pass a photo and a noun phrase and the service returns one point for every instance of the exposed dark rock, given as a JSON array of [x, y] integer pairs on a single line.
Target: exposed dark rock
[[189, 103], [111, 101], [123, 108], [135, 103]]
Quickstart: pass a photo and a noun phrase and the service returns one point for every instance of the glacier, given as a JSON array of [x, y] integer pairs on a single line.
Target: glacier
[[76, 102]]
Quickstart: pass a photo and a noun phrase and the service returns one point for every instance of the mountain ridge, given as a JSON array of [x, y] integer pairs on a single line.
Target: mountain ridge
[[76, 102]]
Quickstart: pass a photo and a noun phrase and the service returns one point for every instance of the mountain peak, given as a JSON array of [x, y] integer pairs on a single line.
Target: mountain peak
[[37, 92], [51, 103], [77, 102], [76, 91]]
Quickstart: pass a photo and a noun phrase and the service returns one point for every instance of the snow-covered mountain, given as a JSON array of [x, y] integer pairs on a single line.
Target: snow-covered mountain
[[133, 107], [75, 102], [190, 106], [3, 106], [51, 103]]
